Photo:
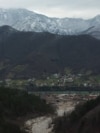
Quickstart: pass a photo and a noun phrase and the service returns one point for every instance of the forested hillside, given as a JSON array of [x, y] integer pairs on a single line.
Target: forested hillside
[[29, 54]]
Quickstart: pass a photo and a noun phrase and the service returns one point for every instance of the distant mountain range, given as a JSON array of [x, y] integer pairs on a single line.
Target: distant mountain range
[[32, 54], [24, 20]]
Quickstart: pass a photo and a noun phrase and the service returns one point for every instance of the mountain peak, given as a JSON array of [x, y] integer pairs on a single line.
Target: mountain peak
[[7, 27], [7, 30]]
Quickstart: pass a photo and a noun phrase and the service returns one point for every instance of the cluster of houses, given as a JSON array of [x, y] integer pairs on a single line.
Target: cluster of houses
[[52, 80]]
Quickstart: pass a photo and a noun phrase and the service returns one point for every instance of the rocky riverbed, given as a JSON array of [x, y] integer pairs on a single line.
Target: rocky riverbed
[[43, 124]]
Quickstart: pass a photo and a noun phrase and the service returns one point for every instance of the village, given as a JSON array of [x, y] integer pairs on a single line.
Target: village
[[67, 79]]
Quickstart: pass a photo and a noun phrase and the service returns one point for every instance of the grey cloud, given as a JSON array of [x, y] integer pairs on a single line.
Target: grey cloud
[[51, 7]]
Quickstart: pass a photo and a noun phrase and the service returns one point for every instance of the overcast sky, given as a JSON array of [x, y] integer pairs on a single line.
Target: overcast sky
[[57, 8]]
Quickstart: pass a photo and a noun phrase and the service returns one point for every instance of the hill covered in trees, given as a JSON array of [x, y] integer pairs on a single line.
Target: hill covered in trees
[[29, 54]]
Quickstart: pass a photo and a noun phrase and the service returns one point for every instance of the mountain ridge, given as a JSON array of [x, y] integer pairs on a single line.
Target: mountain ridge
[[25, 20]]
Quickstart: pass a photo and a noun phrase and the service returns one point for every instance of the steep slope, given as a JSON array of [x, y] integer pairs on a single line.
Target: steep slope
[[29, 54], [22, 19]]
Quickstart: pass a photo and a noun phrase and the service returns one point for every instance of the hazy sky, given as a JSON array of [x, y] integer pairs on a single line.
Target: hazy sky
[[57, 8]]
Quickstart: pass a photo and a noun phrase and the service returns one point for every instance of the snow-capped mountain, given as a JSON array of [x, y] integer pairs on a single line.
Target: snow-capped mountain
[[22, 19]]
